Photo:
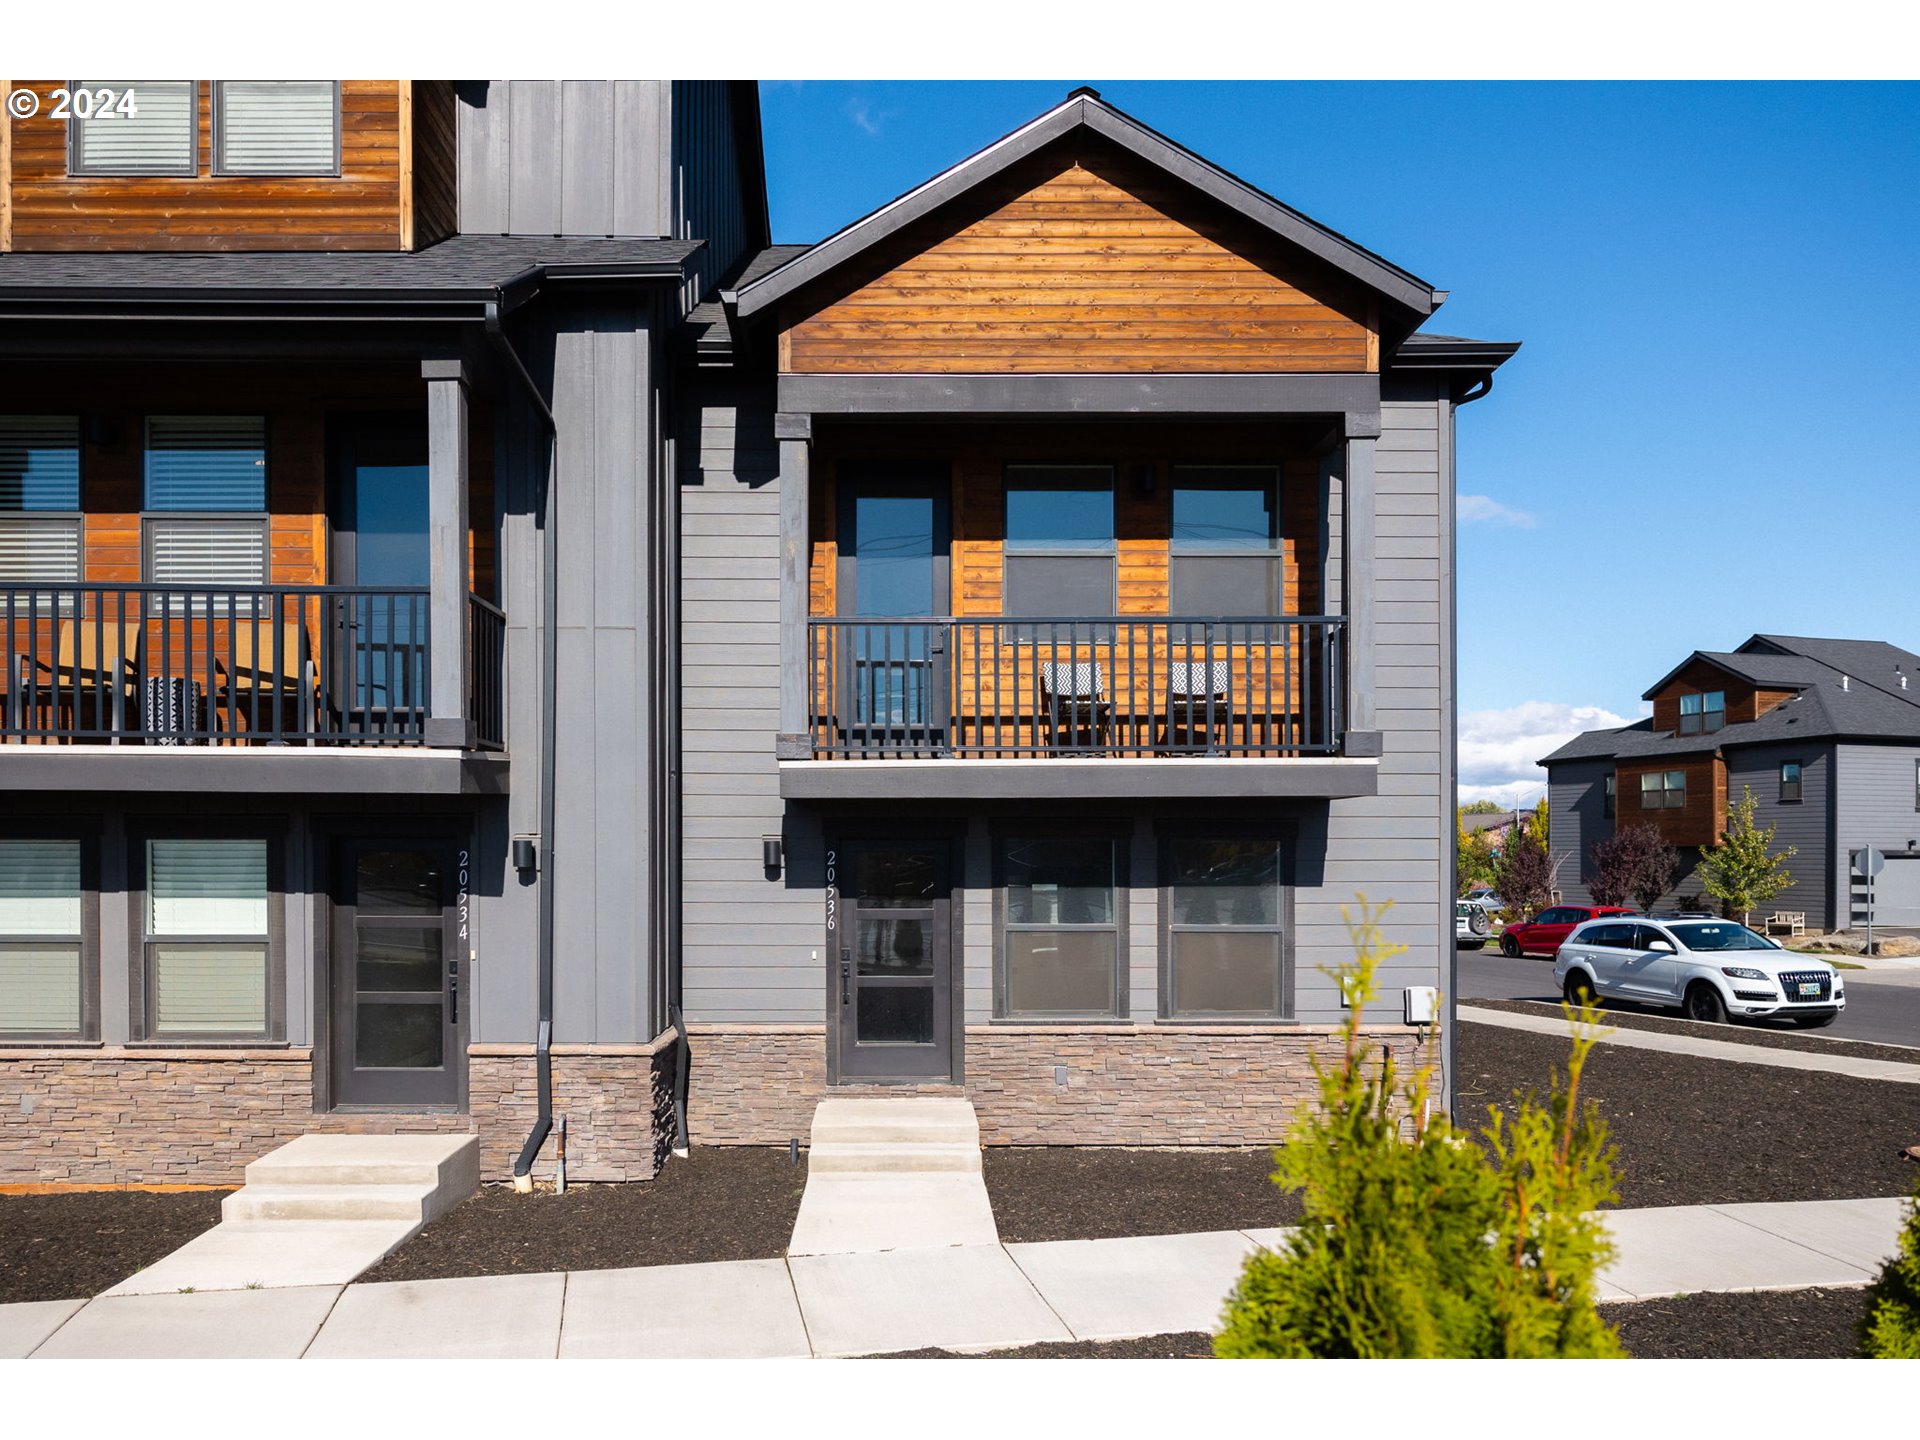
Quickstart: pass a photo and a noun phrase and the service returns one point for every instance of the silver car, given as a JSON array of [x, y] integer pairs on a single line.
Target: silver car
[[1712, 970]]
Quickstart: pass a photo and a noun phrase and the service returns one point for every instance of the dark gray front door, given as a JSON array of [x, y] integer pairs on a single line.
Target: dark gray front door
[[396, 973], [890, 932]]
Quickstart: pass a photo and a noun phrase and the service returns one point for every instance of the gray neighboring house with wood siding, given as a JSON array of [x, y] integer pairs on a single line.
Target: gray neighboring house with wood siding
[[1067, 621], [1824, 732]]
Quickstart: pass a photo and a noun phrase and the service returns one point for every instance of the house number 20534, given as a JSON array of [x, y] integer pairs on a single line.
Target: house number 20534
[[463, 899]]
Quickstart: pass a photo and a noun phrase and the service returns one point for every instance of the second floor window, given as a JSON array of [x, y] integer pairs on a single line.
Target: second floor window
[[1703, 714], [39, 499], [1606, 799], [1225, 545], [1790, 783], [276, 127], [1664, 790], [153, 134], [1061, 551], [206, 500]]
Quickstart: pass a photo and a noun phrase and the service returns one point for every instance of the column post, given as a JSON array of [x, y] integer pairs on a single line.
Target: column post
[[1358, 570], [448, 723], [794, 434]]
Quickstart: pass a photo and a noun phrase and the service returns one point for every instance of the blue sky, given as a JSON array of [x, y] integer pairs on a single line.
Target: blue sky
[[1714, 426]]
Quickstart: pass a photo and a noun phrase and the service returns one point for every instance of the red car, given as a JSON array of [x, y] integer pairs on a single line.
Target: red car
[[1544, 934]]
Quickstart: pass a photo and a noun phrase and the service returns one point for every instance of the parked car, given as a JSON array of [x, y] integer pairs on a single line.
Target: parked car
[[1470, 925], [1543, 934], [1710, 969], [1484, 897]]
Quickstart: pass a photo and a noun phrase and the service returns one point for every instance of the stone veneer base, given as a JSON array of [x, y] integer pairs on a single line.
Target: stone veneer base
[[117, 1115], [1147, 1085]]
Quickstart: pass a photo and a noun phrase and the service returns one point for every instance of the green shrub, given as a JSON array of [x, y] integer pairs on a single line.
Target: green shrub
[[1891, 1329], [1417, 1240]]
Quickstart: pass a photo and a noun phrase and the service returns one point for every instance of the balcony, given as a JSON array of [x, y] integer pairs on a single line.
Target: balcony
[[318, 666], [1037, 707]]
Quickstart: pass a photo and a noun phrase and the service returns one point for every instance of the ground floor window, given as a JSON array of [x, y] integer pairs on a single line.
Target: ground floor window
[[208, 938], [1061, 947], [1224, 914], [43, 941]]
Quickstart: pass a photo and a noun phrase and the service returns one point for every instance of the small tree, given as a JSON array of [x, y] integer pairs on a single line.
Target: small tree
[[1659, 862], [1891, 1328], [1742, 872], [1480, 807], [1523, 874], [1474, 862], [1416, 1241], [1614, 865]]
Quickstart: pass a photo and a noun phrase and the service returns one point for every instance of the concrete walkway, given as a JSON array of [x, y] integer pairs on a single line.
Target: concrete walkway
[[968, 1297], [1897, 1071]]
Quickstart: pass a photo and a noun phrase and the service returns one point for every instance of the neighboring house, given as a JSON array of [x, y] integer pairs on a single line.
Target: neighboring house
[[467, 599], [1495, 827], [277, 361], [1068, 575], [1825, 733]]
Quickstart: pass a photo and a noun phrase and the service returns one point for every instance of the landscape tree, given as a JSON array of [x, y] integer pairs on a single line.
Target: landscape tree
[[1742, 872], [1523, 874], [1474, 865], [1416, 1239], [1480, 807], [1632, 863]]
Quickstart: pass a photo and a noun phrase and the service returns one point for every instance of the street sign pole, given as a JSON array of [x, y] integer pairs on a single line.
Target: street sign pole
[[1869, 862]]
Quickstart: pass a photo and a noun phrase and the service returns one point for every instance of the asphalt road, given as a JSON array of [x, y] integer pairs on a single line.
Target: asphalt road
[[1882, 1006]]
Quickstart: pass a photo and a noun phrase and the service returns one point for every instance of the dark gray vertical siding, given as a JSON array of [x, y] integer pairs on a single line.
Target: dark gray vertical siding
[[1576, 817], [1803, 826], [1875, 805], [708, 192], [577, 157]]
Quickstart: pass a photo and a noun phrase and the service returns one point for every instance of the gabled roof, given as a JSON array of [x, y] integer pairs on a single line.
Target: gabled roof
[[1774, 672], [1085, 110], [1872, 662]]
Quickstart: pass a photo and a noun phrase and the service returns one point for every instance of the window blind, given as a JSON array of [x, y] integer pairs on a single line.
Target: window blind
[[40, 989], [158, 139], [39, 888], [277, 127], [207, 552], [209, 989], [206, 462], [207, 887], [37, 551], [39, 462]]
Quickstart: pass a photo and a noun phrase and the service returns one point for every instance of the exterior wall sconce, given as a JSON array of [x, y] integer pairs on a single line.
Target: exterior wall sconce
[[525, 853], [772, 854]]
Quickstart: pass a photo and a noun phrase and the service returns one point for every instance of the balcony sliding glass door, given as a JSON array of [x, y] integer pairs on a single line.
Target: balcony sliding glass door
[[893, 567]]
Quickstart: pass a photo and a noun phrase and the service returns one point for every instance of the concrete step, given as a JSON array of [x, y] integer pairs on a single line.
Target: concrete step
[[327, 1202], [894, 1158], [443, 1162], [915, 1120]]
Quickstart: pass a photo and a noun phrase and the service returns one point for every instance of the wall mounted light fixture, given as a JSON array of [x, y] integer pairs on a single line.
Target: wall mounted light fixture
[[772, 854]]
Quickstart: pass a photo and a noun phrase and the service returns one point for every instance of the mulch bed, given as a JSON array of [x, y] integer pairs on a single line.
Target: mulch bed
[[1769, 1325], [73, 1246], [1773, 1037], [1703, 1132], [1056, 1193], [1191, 1345], [721, 1203]]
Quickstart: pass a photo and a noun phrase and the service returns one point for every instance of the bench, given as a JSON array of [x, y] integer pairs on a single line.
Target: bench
[[1787, 922]]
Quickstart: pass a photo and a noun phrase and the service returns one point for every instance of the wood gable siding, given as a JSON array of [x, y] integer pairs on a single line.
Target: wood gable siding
[[1701, 821], [1744, 701], [1091, 262], [359, 209]]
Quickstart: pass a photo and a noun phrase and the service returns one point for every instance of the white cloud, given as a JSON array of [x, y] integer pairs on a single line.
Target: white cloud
[[1484, 509], [862, 116], [1499, 748]]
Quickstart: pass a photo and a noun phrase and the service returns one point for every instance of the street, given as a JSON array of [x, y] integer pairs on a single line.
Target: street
[[1882, 1006]]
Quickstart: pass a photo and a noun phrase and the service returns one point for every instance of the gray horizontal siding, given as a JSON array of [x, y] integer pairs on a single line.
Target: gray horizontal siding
[[1875, 805], [1804, 825]]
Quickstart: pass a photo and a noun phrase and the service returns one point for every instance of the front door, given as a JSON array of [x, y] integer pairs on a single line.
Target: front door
[[396, 973], [889, 932]]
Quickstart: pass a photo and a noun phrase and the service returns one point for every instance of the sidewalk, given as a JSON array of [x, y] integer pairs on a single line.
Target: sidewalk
[[969, 1297]]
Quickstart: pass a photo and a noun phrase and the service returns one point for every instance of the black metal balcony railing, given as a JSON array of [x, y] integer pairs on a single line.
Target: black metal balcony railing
[[914, 688], [230, 665]]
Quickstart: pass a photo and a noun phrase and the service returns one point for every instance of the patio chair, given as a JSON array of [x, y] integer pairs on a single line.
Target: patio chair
[[1198, 703], [259, 681], [94, 672], [1073, 696]]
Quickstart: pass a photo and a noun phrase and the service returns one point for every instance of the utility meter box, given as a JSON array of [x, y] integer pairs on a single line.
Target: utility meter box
[[1423, 1005]]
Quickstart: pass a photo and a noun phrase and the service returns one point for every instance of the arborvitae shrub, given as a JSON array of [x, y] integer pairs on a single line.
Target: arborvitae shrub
[[1891, 1329], [1417, 1240]]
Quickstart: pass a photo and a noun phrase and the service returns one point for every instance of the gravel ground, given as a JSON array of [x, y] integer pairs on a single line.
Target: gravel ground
[[722, 1203], [1058, 1193], [1773, 1037], [67, 1247], [1701, 1132]]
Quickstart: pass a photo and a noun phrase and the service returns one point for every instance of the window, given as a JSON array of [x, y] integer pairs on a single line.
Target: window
[[1664, 790], [1061, 945], [1607, 798], [1703, 714], [1225, 556], [207, 942], [1061, 551], [43, 945], [39, 499], [1608, 937], [1225, 913], [276, 127], [1790, 783], [157, 138], [206, 500]]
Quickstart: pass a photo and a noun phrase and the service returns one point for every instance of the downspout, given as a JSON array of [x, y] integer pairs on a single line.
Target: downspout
[[549, 720]]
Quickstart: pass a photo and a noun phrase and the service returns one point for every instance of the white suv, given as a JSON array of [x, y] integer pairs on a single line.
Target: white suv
[[1711, 969]]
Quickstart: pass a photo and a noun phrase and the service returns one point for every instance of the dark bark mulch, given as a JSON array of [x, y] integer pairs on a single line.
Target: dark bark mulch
[[73, 1246], [1058, 1193], [1769, 1325], [1772, 1036], [1191, 1345], [1703, 1132], [722, 1203]]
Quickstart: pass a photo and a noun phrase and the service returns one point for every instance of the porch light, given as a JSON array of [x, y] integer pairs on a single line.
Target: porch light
[[771, 854]]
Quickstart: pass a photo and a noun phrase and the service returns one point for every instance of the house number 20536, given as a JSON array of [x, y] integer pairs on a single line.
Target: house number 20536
[[833, 891]]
